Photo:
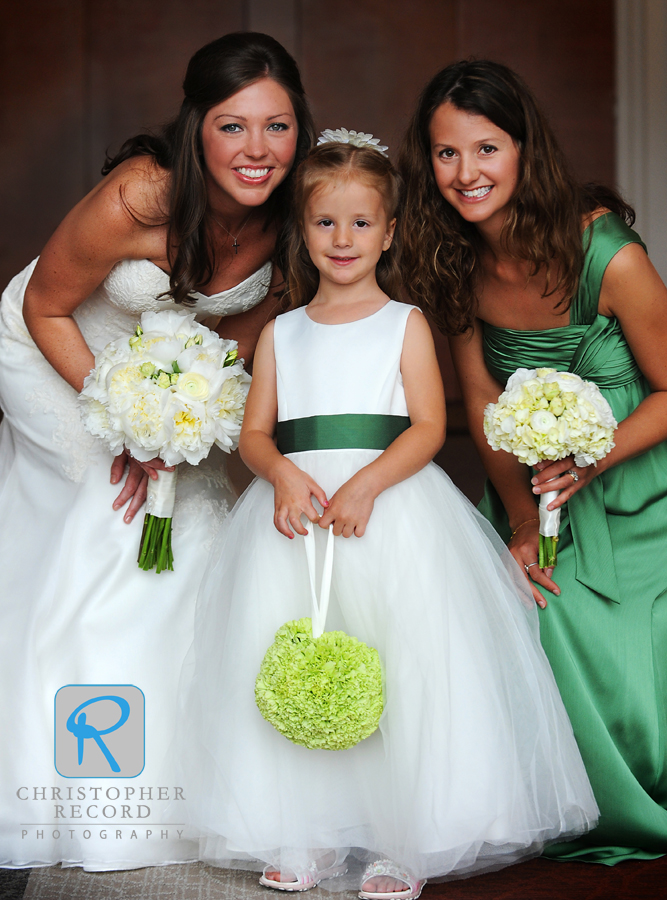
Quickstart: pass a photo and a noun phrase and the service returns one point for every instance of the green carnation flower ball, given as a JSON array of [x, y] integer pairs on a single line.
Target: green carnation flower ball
[[323, 693]]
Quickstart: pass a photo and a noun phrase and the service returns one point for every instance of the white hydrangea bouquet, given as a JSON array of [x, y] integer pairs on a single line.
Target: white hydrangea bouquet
[[172, 390], [545, 414]]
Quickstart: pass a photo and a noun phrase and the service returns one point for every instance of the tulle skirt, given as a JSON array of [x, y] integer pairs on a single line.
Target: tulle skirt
[[474, 765]]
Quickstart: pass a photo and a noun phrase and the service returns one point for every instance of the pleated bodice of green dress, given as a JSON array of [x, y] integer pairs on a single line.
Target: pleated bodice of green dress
[[606, 634]]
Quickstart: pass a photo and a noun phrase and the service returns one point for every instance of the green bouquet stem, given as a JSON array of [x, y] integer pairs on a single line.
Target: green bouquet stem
[[155, 547], [548, 552]]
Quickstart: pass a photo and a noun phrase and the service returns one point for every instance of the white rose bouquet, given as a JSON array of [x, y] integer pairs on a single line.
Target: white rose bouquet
[[545, 414], [172, 390]]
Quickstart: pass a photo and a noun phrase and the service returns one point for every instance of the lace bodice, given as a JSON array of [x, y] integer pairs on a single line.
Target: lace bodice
[[133, 286]]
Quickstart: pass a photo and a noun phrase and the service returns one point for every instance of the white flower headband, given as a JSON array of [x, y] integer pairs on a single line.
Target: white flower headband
[[356, 138]]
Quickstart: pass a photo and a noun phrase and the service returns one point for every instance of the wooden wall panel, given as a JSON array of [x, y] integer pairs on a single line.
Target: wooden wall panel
[[364, 62], [41, 123], [139, 50], [565, 51]]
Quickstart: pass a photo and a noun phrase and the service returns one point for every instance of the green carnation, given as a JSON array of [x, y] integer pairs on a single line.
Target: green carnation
[[324, 693]]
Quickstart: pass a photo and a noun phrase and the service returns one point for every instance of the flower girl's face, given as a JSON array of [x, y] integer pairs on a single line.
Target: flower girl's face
[[346, 229], [249, 143], [475, 163]]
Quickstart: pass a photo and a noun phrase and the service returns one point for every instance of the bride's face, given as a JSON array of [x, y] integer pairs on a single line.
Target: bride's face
[[249, 143], [475, 163]]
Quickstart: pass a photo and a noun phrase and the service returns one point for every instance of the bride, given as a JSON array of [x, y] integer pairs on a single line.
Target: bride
[[188, 218]]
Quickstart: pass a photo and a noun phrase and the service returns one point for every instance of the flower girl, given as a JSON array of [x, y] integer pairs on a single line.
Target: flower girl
[[473, 765]]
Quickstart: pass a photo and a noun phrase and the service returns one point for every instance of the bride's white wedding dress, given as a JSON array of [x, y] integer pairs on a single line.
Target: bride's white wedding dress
[[76, 609]]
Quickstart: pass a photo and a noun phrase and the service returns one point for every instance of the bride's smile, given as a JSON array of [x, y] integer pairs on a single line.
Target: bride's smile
[[248, 144]]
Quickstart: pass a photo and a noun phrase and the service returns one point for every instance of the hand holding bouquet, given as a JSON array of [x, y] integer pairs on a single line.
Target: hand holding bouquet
[[547, 415], [172, 390]]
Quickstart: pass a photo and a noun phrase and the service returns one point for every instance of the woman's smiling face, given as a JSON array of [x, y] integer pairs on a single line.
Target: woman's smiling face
[[249, 142], [475, 163]]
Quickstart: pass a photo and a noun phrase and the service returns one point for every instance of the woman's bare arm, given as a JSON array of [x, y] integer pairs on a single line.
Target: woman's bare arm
[[633, 292], [293, 488], [93, 237]]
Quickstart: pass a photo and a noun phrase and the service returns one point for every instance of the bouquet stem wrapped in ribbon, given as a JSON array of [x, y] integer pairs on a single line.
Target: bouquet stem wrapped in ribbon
[[544, 414], [173, 389], [549, 527], [155, 546]]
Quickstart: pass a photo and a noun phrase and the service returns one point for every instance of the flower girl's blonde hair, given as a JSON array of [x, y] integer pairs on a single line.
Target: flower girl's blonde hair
[[325, 165]]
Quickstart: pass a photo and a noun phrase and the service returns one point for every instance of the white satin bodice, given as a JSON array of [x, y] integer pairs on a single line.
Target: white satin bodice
[[365, 354]]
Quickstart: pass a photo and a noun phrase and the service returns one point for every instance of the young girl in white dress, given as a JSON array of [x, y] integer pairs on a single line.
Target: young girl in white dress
[[473, 765]]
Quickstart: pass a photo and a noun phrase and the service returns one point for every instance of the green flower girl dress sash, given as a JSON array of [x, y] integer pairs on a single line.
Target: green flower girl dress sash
[[349, 431]]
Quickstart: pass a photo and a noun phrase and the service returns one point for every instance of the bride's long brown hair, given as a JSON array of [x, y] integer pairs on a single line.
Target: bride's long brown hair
[[441, 251]]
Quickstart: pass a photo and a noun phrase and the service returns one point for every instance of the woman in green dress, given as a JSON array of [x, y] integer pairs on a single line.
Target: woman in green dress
[[523, 267]]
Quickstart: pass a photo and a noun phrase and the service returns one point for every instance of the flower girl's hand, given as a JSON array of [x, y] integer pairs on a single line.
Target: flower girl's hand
[[350, 508], [293, 491]]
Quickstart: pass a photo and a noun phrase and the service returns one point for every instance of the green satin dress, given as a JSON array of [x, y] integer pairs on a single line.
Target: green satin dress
[[606, 634]]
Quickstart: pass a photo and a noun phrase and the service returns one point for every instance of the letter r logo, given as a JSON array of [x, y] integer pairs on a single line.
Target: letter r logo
[[99, 731]]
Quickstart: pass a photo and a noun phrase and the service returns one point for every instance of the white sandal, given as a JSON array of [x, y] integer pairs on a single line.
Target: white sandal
[[306, 877], [391, 870]]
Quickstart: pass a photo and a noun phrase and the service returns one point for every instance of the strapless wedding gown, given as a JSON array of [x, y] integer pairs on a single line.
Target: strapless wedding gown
[[75, 607]]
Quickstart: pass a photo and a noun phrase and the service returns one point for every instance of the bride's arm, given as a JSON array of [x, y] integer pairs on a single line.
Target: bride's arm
[[93, 237], [508, 475]]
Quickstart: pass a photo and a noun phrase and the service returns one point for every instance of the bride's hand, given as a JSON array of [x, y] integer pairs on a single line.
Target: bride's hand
[[136, 483], [524, 548]]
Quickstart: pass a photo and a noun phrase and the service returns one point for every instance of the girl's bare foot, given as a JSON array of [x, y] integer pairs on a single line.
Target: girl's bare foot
[[384, 878], [384, 884]]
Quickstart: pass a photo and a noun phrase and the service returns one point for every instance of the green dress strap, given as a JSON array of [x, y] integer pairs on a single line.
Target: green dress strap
[[603, 238]]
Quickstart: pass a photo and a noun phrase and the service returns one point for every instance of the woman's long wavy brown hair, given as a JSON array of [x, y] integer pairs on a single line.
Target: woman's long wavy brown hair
[[326, 165], [214, 73], [441, 251]]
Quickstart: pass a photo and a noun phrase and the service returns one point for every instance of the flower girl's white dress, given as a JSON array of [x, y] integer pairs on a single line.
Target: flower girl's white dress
[[74, 606], [474, 765]]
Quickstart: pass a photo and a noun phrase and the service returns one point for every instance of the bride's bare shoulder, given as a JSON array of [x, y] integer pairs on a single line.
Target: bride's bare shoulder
[[124, 216], [137, 188]]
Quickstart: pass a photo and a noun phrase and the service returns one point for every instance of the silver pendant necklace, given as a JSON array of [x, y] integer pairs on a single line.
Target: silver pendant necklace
[[235, 237]]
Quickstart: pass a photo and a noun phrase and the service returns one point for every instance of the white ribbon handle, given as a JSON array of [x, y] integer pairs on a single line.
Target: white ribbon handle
[[549, 519], [161, 494], [320, 608]]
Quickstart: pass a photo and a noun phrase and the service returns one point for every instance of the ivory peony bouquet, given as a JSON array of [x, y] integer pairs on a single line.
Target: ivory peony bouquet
[[172, 390], [544, 414]]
